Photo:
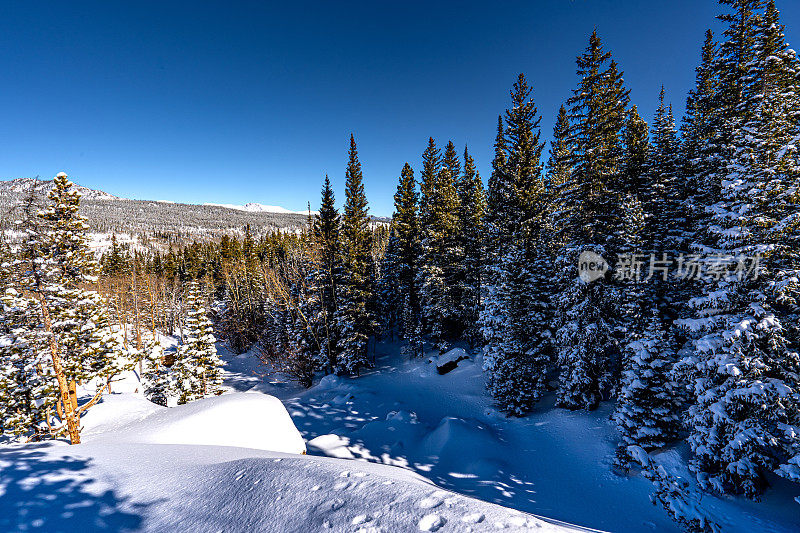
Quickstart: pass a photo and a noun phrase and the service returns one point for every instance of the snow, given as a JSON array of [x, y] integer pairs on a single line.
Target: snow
[[148, 468], [261, 208], [247, 420], [401, 448], [553, 463]]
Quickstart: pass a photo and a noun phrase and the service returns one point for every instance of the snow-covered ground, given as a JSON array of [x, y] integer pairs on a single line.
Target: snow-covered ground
[[228, 463], [401, 448], [554, 463]]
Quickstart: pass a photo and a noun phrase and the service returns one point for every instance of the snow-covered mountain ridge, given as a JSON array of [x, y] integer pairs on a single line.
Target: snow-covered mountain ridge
[[20, 186], [253, 207], [23, 185]]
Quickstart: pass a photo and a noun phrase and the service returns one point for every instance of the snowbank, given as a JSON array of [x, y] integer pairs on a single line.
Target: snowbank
[[142, 487], [244, 420]]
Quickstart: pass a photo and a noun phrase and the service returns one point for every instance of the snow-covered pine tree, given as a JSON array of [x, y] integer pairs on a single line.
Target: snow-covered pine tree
[[647, 412], [518, 354], [558, 173], [590, 214], [746, 417], [696, 131], [197, 368], [52, 266], [27, 394], [472, 204], [327, 271], [441, 265], [354, 320], [664, 198], [157, 378], [495, 242], [387, 293], [405, 224], [636, 146]]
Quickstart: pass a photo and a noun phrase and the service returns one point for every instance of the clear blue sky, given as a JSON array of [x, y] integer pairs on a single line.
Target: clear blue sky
[[232, 102]]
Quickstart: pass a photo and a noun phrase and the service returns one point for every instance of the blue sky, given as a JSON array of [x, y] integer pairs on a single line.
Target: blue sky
[[233, 102]]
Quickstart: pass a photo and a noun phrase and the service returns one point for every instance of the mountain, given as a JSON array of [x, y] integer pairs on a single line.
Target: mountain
[[159, 220], [261, 208], [21, 186], [154, 220]]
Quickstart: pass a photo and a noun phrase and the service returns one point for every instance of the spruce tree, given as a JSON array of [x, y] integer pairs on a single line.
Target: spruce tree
[[558, 174], [53, 266], [327, 271], [590, 215], [647, 412], [472, 203], [495, 242], [405, 225], [636, 146], [745, 364], [26, 393], [441, 266], [354, 320], [519, 350], [664, 199], [198, 369]]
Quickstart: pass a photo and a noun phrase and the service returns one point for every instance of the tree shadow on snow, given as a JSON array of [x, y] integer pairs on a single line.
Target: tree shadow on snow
[[39, 492]]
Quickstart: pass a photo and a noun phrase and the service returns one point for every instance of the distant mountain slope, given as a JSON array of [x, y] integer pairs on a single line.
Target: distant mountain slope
[[24, 185], [109, 213], [253, 207]]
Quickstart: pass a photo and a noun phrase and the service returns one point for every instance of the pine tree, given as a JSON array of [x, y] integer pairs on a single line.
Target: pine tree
[[441, 266], [26, 393], [647, 410], [354, 320], [327, 272], [472, 203], [451, 161], [664, 197], [636, 150], [495, 242], [197, 367], [519, 350], [52, 266], [590, 217], [405, 225], [558, 174], [745, 417], [387, 287], [696, 131]]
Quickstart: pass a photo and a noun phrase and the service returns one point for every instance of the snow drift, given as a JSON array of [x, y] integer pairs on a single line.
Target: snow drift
[[244, 420]]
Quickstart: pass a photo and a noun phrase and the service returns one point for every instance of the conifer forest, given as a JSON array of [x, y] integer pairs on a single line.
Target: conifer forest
[[603, 332]]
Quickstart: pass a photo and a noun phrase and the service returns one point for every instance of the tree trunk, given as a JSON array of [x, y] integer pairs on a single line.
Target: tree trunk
[[70, 414]]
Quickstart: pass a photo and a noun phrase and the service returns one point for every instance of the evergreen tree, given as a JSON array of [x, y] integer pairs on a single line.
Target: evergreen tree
[[664, 199], [197, 366], [696, 131], [441, 266], [647, 410], [354, 320], [518, 352], [26, 394], [636, 150], [558, 173], [405, 225], [327, 272], [745, 364], [590, 217], [52, 266], [472, 203]]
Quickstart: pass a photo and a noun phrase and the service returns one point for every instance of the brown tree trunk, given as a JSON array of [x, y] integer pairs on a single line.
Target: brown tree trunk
[[73, 394], [70, 414]]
